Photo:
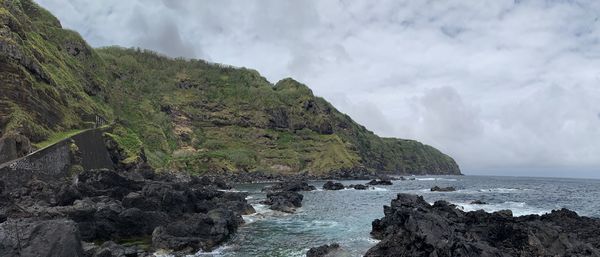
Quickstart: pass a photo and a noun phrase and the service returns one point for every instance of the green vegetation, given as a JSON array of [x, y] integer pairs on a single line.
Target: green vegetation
[[181, 114], [58, 136]]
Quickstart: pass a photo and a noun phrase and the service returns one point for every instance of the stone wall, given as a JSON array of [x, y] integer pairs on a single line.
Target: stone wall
[[56, 162]]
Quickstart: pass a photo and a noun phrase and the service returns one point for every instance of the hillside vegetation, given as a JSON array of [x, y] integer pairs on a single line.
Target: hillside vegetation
[[187, 115]]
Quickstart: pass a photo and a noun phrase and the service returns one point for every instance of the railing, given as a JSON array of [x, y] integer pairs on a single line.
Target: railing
[[99, 121]]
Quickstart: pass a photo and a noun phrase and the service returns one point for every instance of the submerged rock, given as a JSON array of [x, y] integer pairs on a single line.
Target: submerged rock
[[323, 250], [413, 227], [330, 185], [442, 189]]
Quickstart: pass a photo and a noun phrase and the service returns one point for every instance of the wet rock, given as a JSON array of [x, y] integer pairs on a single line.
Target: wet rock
[[383, 182], [285, 201], [413, 227], [442, 189], [323, 250], [330, 185], [359, 187]]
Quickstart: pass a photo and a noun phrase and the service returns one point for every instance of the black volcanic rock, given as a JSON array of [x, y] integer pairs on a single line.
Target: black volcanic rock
[[330, 185], [478, 202], [383, 182], [290, 185], [323, 250], [285, 201], [413, 227], [104, 205], [442, 189], [359, 187]]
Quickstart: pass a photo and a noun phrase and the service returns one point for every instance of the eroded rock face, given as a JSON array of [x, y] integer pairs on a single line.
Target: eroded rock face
[[413, 227], [14, 146]]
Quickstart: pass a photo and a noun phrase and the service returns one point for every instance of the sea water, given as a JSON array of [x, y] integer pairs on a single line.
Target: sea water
[[345, 216]]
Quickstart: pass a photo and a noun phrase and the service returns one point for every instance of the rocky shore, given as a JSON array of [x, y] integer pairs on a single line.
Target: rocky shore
[[413, 227], [107, 213]]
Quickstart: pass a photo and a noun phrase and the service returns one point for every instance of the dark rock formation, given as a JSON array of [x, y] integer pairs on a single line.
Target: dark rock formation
[[330, 185], [290, 185], [412, 227], [285, 201], [442, 189], [323, 250], [104, 205], [31, 237], [383, 182]]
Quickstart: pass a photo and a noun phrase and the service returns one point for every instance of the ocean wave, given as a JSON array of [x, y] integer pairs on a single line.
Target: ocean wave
[[378, 189], [262, 210], [503, 190], [518, 208]]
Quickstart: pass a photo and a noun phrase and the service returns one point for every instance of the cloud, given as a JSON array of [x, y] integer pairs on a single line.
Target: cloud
[[497, 84]]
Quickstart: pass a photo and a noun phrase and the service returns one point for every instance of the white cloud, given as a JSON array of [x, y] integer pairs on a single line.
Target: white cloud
[[494, 83]]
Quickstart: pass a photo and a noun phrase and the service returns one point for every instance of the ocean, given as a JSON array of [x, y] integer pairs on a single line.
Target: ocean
[[345, 216]]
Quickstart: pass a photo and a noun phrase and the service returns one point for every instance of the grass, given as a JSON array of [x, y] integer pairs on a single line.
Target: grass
[[57, 137]]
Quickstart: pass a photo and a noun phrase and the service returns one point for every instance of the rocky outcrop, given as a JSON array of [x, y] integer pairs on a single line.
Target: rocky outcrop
[[330, 185], [383, 182], [14, 146], [442, 189], [284, 201], [104, 205], [323, 250], [290, 185], [413, 227], [359, 187]]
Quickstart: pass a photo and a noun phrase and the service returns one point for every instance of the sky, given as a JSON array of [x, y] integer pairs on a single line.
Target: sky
[[506, 87]]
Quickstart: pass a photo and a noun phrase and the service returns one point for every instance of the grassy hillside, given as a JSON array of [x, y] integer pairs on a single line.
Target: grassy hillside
[[48, 76], [182, 114]]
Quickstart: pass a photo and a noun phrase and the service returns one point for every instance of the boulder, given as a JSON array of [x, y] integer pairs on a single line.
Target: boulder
[[323, 250], [442, 189], [330, 185], [13, 146]]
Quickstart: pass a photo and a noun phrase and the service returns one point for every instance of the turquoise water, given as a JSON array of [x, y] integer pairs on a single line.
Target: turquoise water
[[345, 216]]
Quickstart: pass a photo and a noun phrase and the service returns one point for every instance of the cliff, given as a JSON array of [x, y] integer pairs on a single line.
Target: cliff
[[180, 114]]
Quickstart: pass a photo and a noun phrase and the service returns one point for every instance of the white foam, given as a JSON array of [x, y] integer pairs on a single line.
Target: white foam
[[216, 252], [435, 179], [518, 208], [261, 212], [503, 190], [378, 189]]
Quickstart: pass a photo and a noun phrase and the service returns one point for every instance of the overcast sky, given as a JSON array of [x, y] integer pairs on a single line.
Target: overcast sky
[[507, 87]]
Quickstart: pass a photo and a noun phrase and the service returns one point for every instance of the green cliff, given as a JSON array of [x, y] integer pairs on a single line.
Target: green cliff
[[187, 115]]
